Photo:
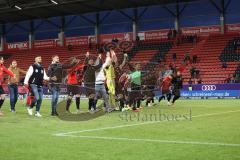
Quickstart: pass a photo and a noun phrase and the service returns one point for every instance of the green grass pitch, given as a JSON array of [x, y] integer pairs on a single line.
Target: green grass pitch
[[213, 132]]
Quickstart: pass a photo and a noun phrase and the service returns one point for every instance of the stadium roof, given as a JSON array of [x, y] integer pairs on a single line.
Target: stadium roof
[[19, 10]]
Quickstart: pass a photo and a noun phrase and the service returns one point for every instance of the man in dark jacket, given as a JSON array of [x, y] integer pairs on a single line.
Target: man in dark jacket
[[34, 78], [56, 69], [177, 82], [89, 78]]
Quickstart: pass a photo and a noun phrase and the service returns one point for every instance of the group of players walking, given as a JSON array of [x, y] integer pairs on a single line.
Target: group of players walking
[[121, 86]]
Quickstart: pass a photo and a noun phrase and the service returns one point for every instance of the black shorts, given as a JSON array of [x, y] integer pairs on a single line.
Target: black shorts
[[73, 90], [89, 89], [176, 92], [119, 89], [150, 91], [1, 90], [135, 92]]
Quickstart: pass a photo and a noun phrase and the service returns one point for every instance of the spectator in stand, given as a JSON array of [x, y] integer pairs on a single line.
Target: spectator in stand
[[199, 81], [190, 81], [192, 38], [228, 79], [235, 44], [186, 58], [238, 44], [234, 79], [174, 33], [137, 38], [161, 57], [193, 72], [194, 59], [197, 73], [169, 34], [195, 39], [90, 42], [174, 57], [224, 65], [70, 47]]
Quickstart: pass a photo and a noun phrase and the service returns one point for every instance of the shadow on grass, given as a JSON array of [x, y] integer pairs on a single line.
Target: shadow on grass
[[85, 116]]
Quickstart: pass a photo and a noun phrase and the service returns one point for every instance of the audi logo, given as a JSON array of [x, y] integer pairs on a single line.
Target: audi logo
[[209, 88]]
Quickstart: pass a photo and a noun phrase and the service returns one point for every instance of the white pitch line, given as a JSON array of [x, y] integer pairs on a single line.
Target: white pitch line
[[138, 124], [158, 141]]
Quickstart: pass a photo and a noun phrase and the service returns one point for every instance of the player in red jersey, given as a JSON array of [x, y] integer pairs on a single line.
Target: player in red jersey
[[74, 82], [119, 87], [3, 70], [165, 86]]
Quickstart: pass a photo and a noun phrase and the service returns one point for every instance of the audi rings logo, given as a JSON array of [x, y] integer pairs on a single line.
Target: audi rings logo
[[209, 88]]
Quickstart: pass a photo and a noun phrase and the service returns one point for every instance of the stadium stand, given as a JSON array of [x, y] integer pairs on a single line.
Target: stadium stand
[[210, 65], [230, 52], [27, 56], [207, 50]]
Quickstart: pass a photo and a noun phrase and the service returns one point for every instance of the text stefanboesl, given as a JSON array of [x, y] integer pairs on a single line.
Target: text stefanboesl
[[158, 116]]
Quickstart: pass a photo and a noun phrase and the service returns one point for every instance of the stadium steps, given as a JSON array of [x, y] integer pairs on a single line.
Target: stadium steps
[[208, 52], [210, 66], [143, 56], [198, 47], [26, 57], [147, 52], [231, 55]]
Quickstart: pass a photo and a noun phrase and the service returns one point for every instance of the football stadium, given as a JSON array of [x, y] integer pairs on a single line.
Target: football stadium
[[119, 79]]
